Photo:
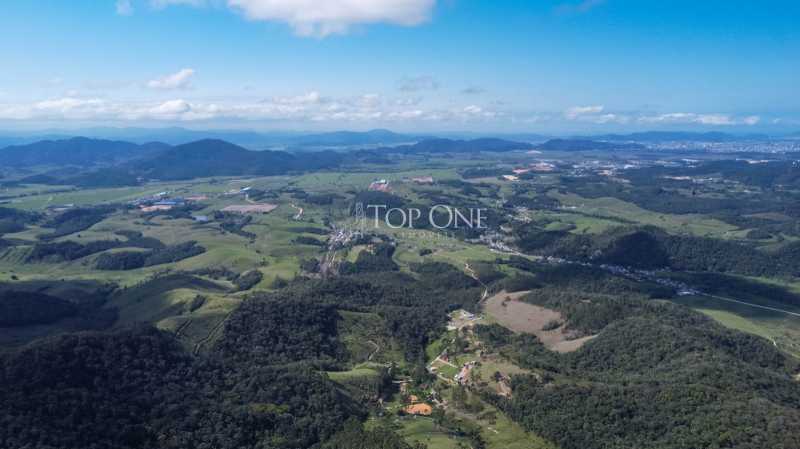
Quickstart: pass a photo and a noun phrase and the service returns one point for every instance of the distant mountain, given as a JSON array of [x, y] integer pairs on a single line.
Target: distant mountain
[[489, 145], [671, 136], [8, 139], [212, 157], [254, 140], [353, 138], [526, 137], [587, 145], [79, 151]]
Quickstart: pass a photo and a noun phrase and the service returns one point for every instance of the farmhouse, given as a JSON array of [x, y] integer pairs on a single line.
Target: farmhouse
[[251, 208]]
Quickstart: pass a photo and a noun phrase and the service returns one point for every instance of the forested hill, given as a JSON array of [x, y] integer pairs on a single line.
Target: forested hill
[[109, 163], [139, 389], [219, 158], [79, 151]]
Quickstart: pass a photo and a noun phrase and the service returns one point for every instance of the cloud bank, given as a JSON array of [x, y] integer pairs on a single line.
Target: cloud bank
[[311, 107]]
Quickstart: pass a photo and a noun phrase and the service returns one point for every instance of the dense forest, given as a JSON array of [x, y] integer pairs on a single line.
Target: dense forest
[[131, 260], [657, 375], [69, 250], [27, 308], [75, 220], [652, 248], [139, 389]]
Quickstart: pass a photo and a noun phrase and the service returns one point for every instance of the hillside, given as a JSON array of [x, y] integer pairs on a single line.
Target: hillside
[[211, 157], [79, 151], [139, 389]]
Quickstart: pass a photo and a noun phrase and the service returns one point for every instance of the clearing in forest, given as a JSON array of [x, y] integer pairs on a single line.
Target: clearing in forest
[[518, 316]]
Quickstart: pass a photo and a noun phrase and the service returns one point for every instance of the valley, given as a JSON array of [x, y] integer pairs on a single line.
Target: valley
[[438, 338]]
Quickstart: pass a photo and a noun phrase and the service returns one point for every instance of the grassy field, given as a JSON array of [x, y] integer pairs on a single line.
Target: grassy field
[[424, 430], [614, 208]]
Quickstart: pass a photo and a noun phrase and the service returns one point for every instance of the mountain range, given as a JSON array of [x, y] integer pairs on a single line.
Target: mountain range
[[80, 151], [249, 139]]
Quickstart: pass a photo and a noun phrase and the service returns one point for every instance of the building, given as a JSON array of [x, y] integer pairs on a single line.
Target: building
[[155, 208], [380, 185]]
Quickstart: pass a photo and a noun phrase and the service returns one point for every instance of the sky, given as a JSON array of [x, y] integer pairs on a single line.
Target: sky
[[538, 66]]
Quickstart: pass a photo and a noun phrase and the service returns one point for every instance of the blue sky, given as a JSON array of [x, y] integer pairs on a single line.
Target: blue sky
[[448, 65]]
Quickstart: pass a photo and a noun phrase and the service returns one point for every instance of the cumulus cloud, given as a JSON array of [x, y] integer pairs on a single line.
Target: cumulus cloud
[[177, 80], [417, 83], [124, 7], [323, 18]]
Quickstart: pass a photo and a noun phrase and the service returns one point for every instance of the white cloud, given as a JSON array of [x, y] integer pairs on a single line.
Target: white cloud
[[325, 17], [700, 119], [178, 80], [594, 114], [608, 118], [308, 107], [576, 112], [751, 120], [171, 108], [308, 98], [124, 7]]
